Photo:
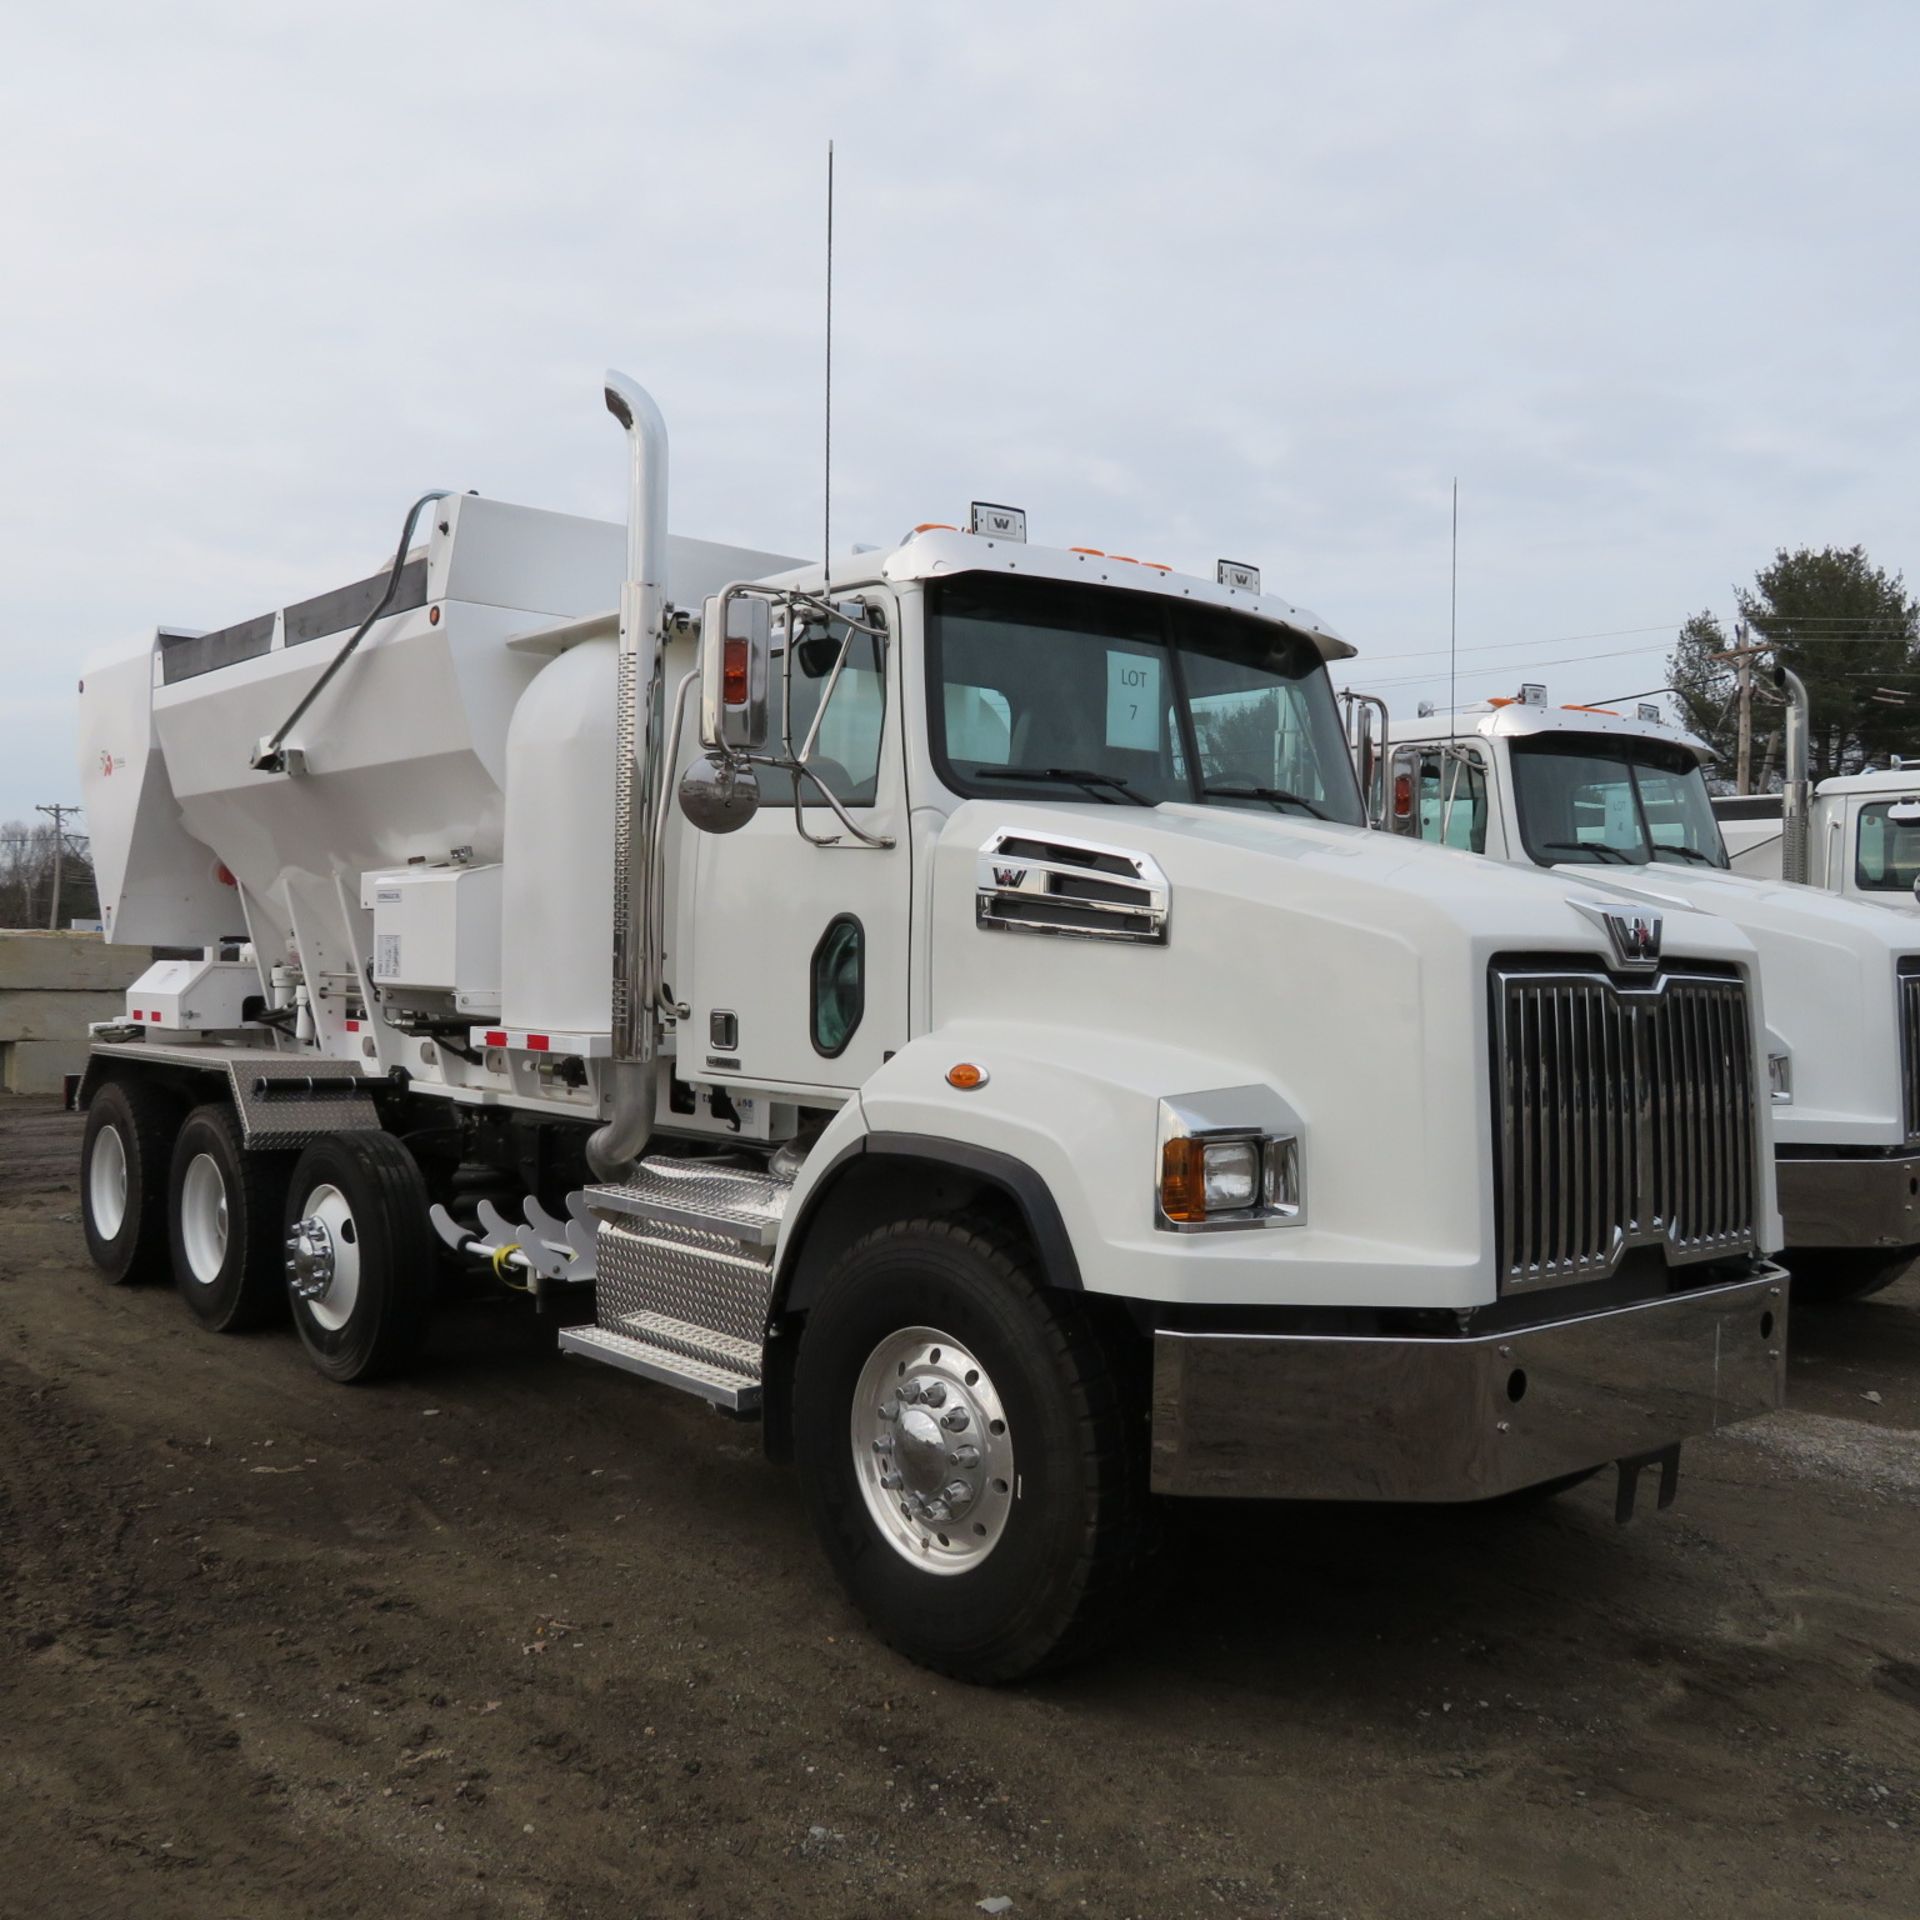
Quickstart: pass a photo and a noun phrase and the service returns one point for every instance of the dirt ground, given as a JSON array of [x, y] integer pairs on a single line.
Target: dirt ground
[[521, 1636]]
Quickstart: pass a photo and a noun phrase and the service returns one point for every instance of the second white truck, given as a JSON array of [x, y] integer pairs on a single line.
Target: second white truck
[[1621, 800]]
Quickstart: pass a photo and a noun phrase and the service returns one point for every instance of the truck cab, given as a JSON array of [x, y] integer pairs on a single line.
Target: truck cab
[[946, 1004], [1863, 836], [1621, 802]]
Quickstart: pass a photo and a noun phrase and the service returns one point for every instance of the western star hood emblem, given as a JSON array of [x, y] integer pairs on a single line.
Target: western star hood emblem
[[1635, 932]]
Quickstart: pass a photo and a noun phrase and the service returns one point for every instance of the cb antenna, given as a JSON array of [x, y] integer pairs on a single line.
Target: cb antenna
[[1453, 623], [826, 488]]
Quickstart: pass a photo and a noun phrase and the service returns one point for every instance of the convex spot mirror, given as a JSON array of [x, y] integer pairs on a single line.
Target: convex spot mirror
[[736, 644], [719, 795]]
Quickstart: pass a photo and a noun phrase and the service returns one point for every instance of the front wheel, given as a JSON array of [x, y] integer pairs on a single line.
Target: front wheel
[[972, 1449], [1825, 1278], [360, 1254]]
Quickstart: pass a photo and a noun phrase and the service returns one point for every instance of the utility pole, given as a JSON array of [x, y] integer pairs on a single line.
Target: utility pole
[[1743, 656], [57, 815]]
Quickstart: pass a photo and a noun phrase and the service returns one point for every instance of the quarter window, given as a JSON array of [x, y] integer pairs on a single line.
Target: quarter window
[[837, 994]]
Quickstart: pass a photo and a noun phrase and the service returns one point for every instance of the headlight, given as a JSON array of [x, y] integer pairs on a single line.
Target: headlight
[[1228, 1160]]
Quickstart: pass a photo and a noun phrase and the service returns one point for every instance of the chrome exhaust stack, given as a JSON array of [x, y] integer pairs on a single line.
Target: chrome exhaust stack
[[643, 606], [1797, 800]]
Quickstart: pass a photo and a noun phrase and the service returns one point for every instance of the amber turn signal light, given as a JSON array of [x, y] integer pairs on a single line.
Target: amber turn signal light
[[1183, 1180], [966, 1076]]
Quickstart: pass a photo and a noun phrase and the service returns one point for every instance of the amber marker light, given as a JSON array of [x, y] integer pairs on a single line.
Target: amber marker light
[[1183, 1181], [966, 1076]]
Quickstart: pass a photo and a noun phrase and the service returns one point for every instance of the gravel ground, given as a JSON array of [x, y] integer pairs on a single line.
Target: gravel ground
[[519, 1636]]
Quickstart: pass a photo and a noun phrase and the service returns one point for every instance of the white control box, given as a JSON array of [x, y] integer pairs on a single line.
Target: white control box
[[193, 996], [437, 930]]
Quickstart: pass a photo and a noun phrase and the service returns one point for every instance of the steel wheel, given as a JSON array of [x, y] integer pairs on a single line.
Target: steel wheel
[[323, 1258], [932, 1450], [360, 1254], [203, 1219], [107, 1182]]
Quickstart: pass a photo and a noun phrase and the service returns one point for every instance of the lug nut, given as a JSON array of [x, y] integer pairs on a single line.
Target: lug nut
[[884, 1444], [888, 1410], [954, 1419], [965, 1455], [935, 1395], [910, 1392]]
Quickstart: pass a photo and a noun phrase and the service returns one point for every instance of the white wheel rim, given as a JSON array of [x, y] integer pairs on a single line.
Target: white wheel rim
[[328, 1210], [932, 1451], [203, 1218], [107, 1183]]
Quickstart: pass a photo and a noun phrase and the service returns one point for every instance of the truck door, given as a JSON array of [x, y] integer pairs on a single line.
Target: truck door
[[792, 953]]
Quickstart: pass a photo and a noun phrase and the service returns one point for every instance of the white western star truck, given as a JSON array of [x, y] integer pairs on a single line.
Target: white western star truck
[[1622, 801], [947, 1004]]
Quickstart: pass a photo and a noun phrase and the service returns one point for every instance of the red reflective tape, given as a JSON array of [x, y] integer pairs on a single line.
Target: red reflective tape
[[353, 1026], [536, 1043], [496, 1039], [138, 1015]]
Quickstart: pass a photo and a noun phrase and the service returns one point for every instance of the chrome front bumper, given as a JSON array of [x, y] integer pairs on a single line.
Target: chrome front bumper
[[1306, 1417], [1864, 1202]]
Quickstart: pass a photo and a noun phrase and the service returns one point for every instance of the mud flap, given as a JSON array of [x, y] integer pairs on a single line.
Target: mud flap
[[1667, 1459]]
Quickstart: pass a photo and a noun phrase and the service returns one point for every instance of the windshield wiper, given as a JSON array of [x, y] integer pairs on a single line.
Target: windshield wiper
[[1686, 853], [1091, 778], [1596, 847], [1275, 797]]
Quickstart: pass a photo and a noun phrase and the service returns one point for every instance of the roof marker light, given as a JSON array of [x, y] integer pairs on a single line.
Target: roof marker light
[[1098, 553], [1237, 575], [998, 523]]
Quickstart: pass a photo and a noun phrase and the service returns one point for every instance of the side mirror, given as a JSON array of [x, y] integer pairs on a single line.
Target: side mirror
[[735, 646]]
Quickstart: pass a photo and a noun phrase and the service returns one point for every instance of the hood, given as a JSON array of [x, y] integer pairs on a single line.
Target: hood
[[1832, 1003]]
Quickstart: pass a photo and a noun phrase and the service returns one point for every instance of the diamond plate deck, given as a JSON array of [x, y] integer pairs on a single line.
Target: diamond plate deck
[[693, 1278], [275, 1121]]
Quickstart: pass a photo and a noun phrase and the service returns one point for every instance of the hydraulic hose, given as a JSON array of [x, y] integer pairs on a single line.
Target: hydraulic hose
[[270, 756]]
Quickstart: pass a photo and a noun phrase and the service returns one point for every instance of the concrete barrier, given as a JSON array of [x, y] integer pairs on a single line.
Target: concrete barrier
[[51, 986]]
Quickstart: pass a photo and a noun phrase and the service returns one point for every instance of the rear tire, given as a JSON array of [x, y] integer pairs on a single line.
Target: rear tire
[[124, 1157], [1827, 1277], [223, 1222], [361, 1276], [1046, 1552]]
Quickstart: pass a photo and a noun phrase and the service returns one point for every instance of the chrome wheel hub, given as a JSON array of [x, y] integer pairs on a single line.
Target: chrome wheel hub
[[931, 1451], [323, 1258], [310, 1259]]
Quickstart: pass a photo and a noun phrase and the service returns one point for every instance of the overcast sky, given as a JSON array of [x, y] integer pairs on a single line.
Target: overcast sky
[[1181, 280]]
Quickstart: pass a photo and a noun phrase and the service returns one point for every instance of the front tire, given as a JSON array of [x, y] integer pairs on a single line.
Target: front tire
[[124, 1156], [1003, 1524], [1826, 1278], [361, 1255], [223, 1222]]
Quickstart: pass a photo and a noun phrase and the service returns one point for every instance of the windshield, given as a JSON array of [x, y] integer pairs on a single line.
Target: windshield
[[1889, 856], [1594, 799], [1090, 695]]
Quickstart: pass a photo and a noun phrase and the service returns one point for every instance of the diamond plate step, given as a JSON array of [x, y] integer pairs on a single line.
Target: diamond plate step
[[726, 1351], [745, 1204], [721, 1385]]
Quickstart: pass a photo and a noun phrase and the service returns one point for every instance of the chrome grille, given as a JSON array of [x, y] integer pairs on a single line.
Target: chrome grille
[[1624, 1116], [1909, 980]]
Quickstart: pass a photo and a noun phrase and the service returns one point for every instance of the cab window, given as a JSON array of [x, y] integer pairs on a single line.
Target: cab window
[[846, 752], [1889, 853]]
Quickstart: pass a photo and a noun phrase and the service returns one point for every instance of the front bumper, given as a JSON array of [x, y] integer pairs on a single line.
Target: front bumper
[[1864, 1201], [1307, 1417]]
